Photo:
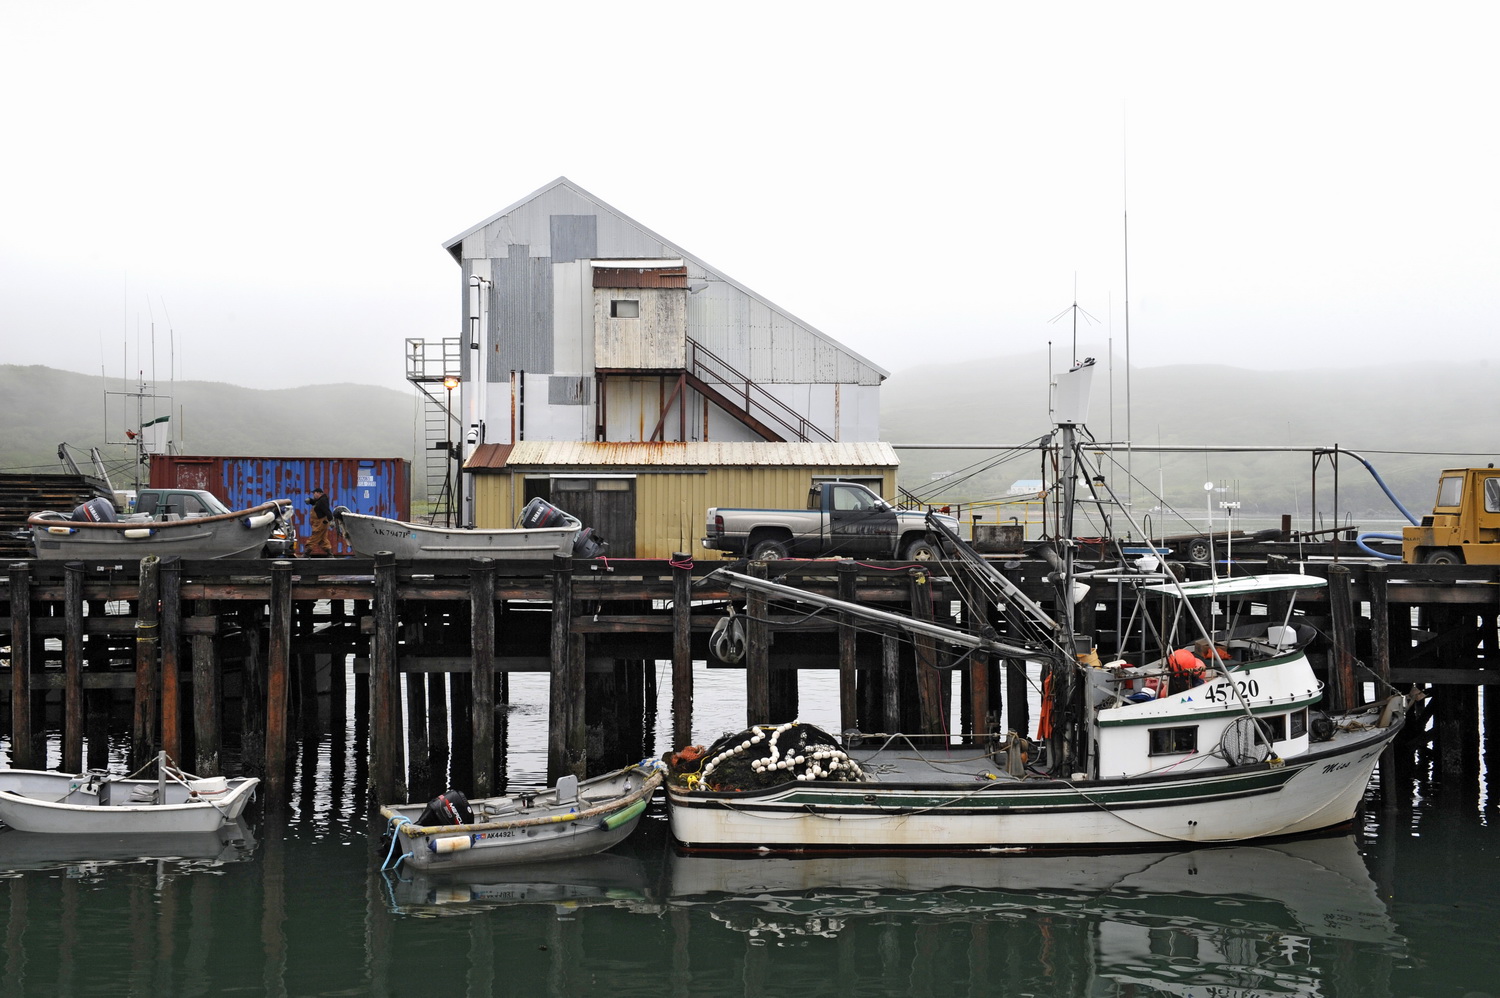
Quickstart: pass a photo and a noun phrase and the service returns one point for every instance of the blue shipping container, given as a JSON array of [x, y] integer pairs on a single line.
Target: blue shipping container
[[379, 486]]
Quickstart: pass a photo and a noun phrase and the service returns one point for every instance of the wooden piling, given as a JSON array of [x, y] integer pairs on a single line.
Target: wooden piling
[[848, 574], [278, 678], [386, 780], [208, 691], [1341, 612], [1377, 576], [758, 654], [682, 650], [567, 745], [22, 755], [890, 682], [143, 742], [73, 639], [171, 642], [929, 682], [482, 678]]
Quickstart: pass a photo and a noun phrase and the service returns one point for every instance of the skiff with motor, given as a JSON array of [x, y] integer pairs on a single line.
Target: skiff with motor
[[1202, 731], [545, 531], [93, 531], [571, 819]]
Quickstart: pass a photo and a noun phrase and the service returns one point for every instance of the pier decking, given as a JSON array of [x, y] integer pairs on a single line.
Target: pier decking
[[225, 663]]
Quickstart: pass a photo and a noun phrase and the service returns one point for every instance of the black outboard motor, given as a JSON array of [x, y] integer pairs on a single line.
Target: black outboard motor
[[96, 510], [541, 513], [451, 808], [588, 544]]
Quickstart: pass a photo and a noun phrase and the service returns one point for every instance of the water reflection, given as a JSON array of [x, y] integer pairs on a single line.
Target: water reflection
[[80, 854], [1236, 920]]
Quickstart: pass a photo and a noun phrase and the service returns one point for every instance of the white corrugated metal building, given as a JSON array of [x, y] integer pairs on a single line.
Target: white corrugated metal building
[[584, 326]]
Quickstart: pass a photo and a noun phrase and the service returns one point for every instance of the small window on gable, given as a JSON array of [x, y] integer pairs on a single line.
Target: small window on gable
[[1174, 741], [625, 308]]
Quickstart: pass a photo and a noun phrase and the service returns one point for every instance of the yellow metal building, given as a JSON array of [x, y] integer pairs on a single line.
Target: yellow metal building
[[649, 500]]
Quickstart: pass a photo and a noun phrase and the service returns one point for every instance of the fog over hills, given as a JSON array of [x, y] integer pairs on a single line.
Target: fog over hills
[[1408, 420]]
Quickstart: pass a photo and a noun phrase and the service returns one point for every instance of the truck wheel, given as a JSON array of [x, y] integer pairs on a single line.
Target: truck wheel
[[1442, 556], [920, 549], [768, 550], [1198, 549]]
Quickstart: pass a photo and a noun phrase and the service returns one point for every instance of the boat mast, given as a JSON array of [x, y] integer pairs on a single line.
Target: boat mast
[[1070, 410]]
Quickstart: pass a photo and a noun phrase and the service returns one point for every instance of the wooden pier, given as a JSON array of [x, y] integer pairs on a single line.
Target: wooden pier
[[225, 664]]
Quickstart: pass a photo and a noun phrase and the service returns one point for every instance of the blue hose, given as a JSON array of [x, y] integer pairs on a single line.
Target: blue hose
[[1413, 520], [1360, 542]]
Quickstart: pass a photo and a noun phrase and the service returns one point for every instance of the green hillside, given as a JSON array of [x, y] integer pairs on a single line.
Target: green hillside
[[41, 407], [1410, 421]]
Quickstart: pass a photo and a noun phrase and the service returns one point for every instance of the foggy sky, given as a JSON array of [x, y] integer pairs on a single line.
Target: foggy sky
[[259, 194]]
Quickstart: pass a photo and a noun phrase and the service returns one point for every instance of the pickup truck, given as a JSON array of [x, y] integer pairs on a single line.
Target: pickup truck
[[178, 504], [843, 519], [1464, 525]]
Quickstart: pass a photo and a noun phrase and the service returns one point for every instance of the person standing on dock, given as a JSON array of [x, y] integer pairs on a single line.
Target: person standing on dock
[[318, 545]]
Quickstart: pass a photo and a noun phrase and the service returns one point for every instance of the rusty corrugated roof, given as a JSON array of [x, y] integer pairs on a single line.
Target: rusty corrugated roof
[[490, 457], [592, 454]]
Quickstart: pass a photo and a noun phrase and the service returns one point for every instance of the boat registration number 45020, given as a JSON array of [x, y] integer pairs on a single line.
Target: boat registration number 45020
[[1220, 692]]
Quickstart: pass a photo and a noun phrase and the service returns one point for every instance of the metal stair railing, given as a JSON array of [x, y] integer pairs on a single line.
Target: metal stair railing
[[756, 402]]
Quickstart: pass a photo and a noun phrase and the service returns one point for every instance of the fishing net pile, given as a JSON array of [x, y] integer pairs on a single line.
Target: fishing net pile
[[766, 756]]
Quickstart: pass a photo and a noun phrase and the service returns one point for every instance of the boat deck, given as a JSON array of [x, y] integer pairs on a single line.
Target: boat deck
[[898, 759]]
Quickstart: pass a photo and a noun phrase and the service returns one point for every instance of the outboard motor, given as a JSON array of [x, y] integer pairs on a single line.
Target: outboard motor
[[96, 510], [451, 808], [541, 513], [588, 545]]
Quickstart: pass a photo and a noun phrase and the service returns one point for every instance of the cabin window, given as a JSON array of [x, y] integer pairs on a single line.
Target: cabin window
[[1492, 495], [625, 308], [1274, 727], [1174, 741], [1450, 490], [1299, 723]]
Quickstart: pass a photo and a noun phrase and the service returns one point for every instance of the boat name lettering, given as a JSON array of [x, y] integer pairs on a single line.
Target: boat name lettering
[[506, 834], [1334, 767], [388, 532], [1220, 692]]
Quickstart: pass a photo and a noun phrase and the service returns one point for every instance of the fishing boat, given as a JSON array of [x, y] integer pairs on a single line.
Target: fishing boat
[[95, 803], [545, 531], [571, 819], [94, 531], [1200, 731]]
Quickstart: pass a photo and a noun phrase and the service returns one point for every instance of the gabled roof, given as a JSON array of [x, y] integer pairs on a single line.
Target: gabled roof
[[454, 247]]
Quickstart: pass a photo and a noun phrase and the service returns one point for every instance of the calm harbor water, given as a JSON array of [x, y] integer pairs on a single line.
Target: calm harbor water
[[1407, 903]]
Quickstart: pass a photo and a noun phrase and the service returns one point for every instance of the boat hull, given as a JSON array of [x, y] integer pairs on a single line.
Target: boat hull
[[369, 535], [966, 811], [59, 804], [241, 534], [506, 831]]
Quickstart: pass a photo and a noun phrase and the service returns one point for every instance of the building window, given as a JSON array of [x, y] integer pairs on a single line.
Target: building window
[[1174, 741], [625, 308]]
